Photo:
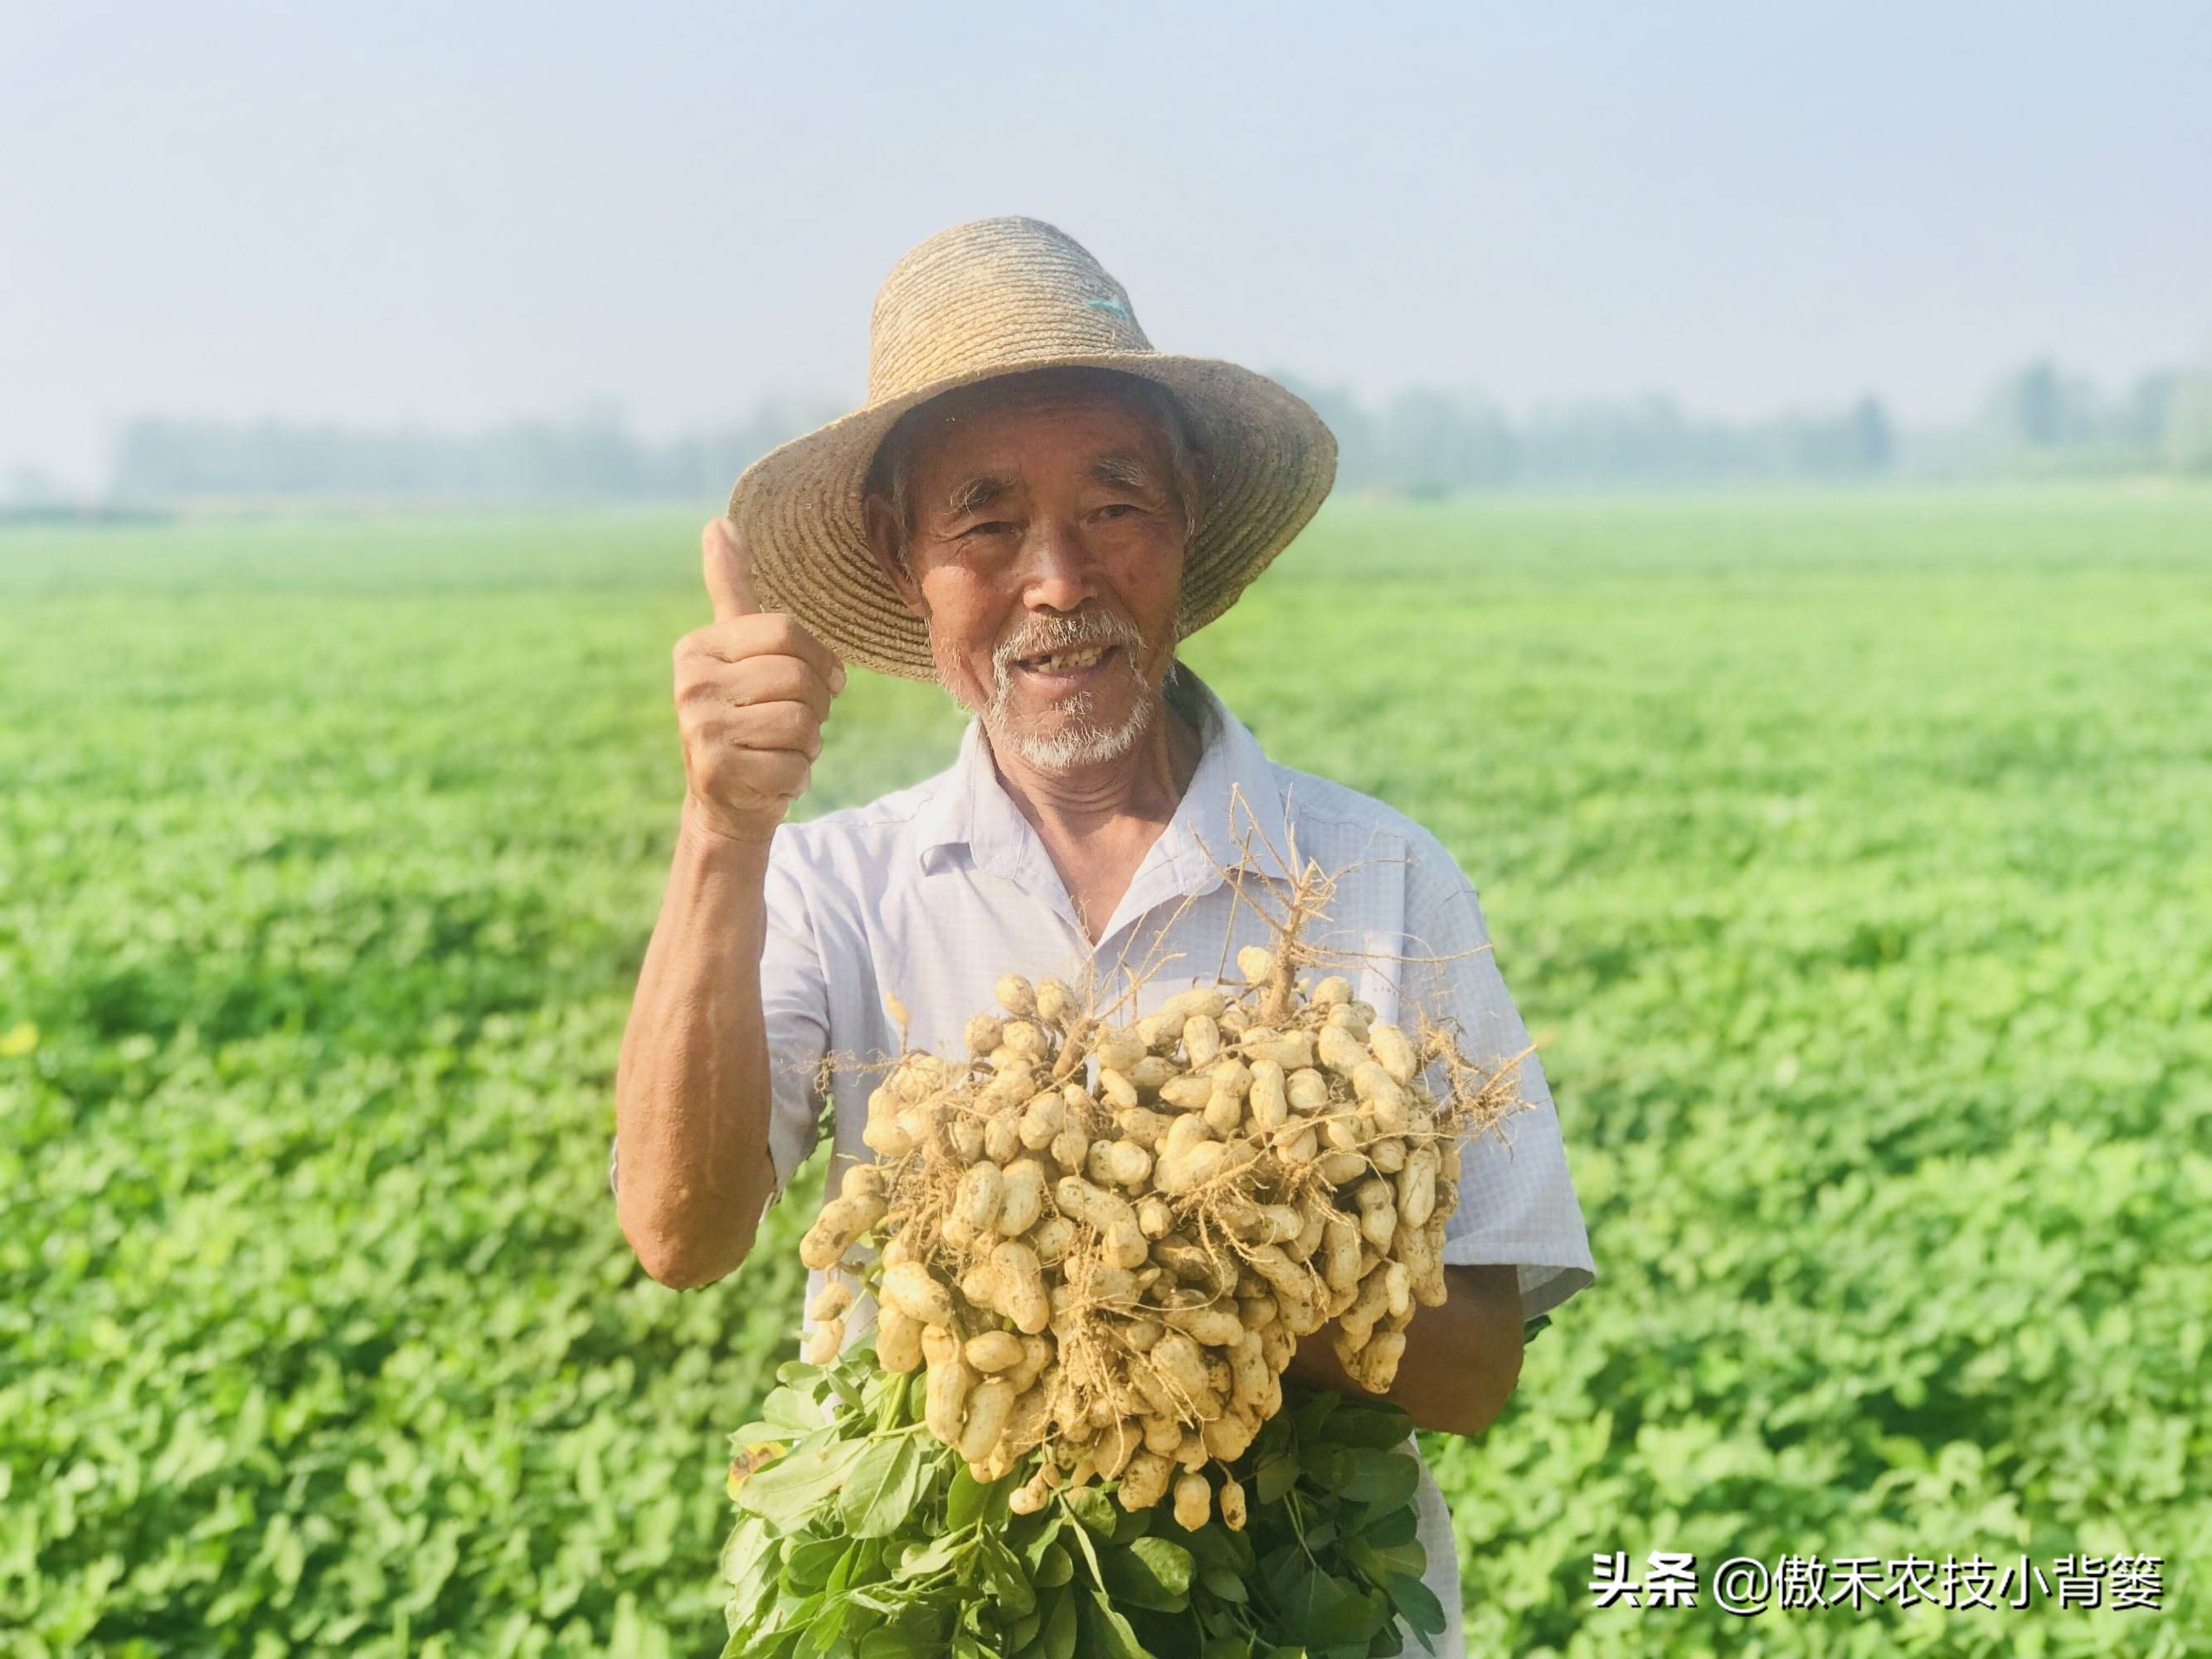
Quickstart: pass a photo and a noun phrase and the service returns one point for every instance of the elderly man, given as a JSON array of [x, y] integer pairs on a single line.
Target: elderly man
[[1033, 508]]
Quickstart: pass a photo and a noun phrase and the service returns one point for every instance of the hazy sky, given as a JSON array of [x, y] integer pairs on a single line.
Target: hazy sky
[[450, 214]]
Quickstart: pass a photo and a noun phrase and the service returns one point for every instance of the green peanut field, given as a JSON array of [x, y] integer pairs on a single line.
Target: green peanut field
[[1850, 855]]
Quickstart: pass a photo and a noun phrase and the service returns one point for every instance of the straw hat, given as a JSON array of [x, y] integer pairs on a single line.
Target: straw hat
[[1000, 296]]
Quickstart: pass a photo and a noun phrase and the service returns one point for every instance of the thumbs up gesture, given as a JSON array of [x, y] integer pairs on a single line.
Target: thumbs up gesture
[[753, 688]]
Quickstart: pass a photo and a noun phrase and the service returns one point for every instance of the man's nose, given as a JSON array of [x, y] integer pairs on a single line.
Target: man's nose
[[1056, 573]]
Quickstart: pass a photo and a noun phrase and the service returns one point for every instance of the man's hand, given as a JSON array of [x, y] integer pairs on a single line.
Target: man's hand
[[692, 1096], [752, 689], [1462, 1359]]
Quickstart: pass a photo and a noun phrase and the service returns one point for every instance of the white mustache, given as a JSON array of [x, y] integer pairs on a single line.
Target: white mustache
[[1066, 634]]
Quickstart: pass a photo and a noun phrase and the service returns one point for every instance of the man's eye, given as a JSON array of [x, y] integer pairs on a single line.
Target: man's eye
[[991, 527]]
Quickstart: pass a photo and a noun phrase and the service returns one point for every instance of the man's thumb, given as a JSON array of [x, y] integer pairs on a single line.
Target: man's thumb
[[728, 566]]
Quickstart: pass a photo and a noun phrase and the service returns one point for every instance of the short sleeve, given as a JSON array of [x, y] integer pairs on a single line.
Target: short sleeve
[[1517, 1199], [796, 1014]]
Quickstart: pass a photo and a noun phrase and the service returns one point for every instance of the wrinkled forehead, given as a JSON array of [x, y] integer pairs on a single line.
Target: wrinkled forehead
[[1117, 408]]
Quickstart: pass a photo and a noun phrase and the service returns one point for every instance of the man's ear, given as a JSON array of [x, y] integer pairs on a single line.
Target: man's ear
[[1199, 489], [884, 541]]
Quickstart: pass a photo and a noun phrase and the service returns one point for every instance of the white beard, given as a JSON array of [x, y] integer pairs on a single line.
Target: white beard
[[1080, 741]]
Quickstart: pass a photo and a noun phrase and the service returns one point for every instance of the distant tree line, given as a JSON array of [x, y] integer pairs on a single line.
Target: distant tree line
[[2043, 418], [1424, 441], [594, 457], [2037, 420]]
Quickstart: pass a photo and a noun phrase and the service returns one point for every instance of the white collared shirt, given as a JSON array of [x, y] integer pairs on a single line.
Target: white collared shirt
[[932, 892]]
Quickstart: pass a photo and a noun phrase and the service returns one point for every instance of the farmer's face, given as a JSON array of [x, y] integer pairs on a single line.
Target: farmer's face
[[1046, 556]]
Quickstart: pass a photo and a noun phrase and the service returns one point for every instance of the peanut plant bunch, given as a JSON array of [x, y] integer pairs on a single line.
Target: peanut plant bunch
[[1102, 1244], [860, 1535]]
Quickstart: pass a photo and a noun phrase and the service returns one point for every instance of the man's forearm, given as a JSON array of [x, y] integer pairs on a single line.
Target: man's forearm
[[691, 1089], [1461, 1361]]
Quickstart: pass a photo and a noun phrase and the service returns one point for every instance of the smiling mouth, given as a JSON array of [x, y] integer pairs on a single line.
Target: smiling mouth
[[1075, 660]]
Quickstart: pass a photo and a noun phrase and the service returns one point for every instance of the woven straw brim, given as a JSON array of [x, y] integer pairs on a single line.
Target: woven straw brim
[[1272, 461]]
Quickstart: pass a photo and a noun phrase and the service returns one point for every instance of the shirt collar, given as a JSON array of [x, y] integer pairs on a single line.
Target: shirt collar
[[1232, 791]]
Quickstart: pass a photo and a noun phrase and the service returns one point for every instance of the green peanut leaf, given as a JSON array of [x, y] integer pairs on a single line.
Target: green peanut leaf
[[1054, 1568], [1109, 1632], [1224, 1584], [1057, 1639], [1388, 1528], [883, 1488], [970, 1500], [1315, 1603], [1364, 1474], [1416, 1603], [1378, 1426], [1379, 1563], [893, 1642], [1151, 1573], [1094, 1509], [791, 1411], [1275, 1476], [793, 1487]]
